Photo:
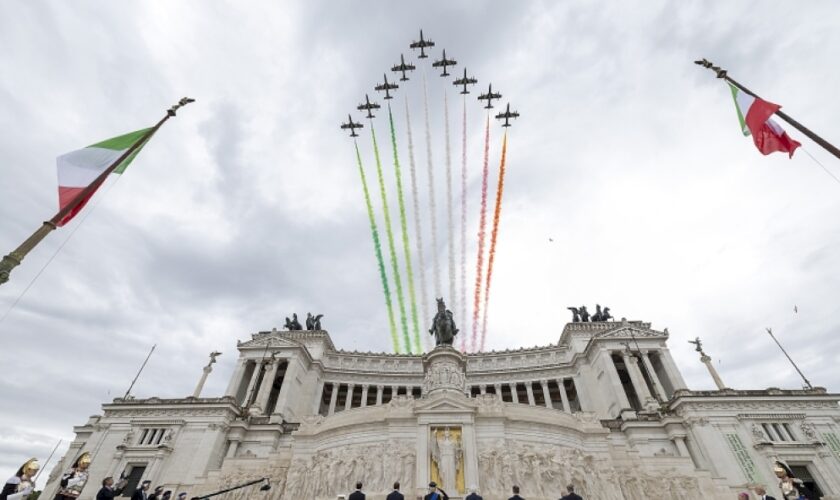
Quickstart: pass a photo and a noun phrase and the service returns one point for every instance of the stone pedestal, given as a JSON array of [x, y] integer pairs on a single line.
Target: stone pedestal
[[444, 369]]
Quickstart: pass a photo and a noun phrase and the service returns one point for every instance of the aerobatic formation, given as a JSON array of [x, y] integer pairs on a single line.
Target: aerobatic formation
[[408, 308]]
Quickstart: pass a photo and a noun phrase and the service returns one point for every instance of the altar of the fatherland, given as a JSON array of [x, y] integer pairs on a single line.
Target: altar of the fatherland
[[605, 408]]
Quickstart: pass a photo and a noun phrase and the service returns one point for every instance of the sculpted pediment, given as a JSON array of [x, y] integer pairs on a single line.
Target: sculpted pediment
[[269, 340], [445, 402], [627, 332]]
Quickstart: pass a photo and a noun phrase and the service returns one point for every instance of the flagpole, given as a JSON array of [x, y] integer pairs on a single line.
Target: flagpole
[[14, 258], [807, 383], [128, 392], [721, 73]]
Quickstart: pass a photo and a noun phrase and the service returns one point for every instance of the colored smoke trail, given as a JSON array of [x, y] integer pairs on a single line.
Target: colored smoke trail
[[377, 246], [450, 225], [482, 223], [463, 285], [391, 248], [415, 198], [406, 245], [432, 206], [492, 255]]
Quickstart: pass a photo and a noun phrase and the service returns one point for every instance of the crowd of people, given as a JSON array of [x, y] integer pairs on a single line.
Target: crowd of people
[[22, 484], [792, 488], [437, 493]]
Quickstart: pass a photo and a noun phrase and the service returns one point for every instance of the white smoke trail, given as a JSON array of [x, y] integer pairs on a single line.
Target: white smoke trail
[[450, 225], [415, 198], [432, 205], [463, 298]]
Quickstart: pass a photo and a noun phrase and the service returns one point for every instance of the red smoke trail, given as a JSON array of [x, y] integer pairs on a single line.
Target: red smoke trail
[[481, 234], [492, 254]]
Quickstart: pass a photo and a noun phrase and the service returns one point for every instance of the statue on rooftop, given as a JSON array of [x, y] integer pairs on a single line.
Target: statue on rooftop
[[293, 324], [313, 322], [443, 325]]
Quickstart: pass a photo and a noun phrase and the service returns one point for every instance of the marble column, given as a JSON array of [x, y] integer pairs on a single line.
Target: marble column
[[657, 385], [530, 390], [394, 390], [287, 399], [348, 401], [267, 385], [637, 379], [364, 395], [615, 381], [251, 385], [584, 402], [513, 394], [679, 442], [232, 447], [498, 388], [319, 396], [564, 398], [379, 390], [709, 366], [483, 390], [236, 379], [333, 398], [546, 393], [671, 369]]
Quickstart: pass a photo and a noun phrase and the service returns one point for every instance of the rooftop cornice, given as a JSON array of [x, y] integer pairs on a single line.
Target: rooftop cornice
[[120, 403], [689, 397]]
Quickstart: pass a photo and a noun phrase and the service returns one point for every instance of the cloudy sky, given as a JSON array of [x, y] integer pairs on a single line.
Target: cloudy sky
[[248, 206]]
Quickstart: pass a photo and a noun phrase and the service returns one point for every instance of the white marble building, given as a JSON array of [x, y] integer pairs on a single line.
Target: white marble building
[[605, 408]]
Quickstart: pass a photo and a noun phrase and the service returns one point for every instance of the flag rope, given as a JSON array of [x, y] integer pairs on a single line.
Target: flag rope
[[61, 246], [821, 165]]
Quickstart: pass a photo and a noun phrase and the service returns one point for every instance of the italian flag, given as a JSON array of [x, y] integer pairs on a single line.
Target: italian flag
[[79, 169], [754, 114]]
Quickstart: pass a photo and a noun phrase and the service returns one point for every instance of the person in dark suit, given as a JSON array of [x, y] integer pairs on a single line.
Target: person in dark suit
[[570, 493], [516, 494], [473, 494], [140, 493], [158, 494], [762, 493], [435, 493], [108, 490], [396, 495], [356, 495]]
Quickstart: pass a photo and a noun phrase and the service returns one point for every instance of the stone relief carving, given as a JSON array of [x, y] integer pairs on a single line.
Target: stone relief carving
[[809, 431], [543, 470], [444, 374], [489, 403], [329, 473], [758, 434]]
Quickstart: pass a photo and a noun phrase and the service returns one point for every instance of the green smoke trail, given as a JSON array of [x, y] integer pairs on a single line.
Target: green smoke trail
[[406, 245], [377, 246], [390, 233]]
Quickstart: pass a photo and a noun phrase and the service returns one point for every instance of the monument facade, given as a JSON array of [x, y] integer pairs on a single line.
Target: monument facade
[[605, 409]]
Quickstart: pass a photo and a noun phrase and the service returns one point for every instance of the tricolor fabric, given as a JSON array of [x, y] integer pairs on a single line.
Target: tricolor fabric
[[79, 169], [754, 114]]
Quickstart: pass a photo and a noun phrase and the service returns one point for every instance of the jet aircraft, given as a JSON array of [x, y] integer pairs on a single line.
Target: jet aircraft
[[352, 126], [422, 44], [402, 66], [507, 115], [387, 87], [368, 106], [465, 81], [489, 96], [444, 63]]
